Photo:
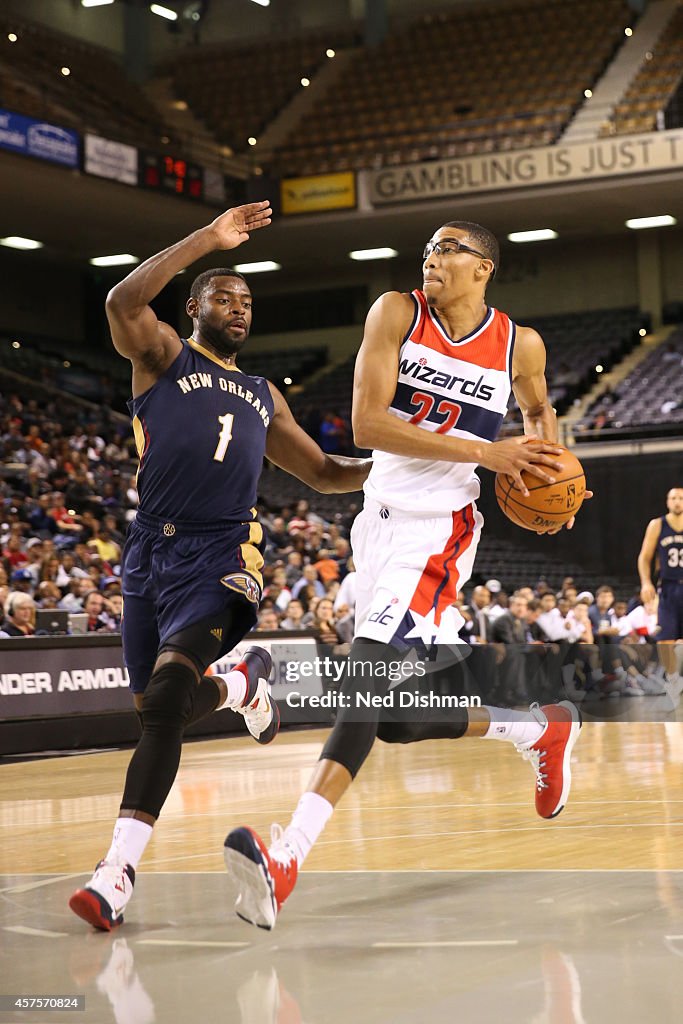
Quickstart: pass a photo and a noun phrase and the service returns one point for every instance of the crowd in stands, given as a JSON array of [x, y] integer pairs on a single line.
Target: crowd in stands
[[68, 492]]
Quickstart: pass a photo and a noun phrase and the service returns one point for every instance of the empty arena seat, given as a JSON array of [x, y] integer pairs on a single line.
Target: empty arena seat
[[653, 86], [646, 403], [427, 91]]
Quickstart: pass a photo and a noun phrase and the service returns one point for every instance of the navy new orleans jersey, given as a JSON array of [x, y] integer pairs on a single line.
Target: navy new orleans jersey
[[194, 553], [200, 432], [670, 553]]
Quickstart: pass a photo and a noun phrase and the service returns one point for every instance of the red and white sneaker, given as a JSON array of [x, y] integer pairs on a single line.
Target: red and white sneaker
[[102, 902], [550, 755], [261, 713], [264, 877]]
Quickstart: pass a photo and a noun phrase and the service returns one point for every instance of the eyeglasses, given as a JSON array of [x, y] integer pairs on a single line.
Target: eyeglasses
[[449, 247]]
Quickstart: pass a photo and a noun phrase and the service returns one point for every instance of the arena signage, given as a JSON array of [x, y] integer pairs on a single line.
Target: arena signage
[[318, 192], [53, 682], [20, 134], [524, 168], [108, 159]]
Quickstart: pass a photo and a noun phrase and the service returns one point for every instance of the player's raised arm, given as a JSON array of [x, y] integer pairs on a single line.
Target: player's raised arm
[[290, 448], [373, 390], [136, 332], [647, 553]]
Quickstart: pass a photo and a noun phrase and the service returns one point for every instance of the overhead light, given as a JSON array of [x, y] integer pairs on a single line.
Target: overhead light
[[179, 105], [12, 36], [287, 380], [664, 221], [16, 344], [588, 93], [66, 364], [330, 52], [642, 332], [383, 253], [599, 368], [164, 12], [257, 268], [628, 32], [262, 3], [66, 72], [305, 81], [122, 259], [251, 140], [17, 242], [540, 235], [96, 3]]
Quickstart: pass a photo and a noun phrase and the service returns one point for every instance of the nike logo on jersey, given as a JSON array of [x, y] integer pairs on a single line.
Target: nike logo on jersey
[[426, 374]]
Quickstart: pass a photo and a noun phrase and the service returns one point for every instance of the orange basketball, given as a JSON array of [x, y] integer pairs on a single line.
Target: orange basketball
[[547, 505]]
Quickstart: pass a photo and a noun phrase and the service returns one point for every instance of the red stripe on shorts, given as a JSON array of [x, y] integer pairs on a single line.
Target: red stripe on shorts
[[438, 584]]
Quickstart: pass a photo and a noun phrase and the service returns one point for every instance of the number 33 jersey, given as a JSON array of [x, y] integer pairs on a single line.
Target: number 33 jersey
[[457, 388], [200, 433]]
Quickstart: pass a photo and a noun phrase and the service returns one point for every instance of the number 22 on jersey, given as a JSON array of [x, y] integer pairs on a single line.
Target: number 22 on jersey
[[451, 410]]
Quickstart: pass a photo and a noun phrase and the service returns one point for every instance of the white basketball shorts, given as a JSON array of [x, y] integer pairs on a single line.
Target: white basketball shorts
[[409, 573]]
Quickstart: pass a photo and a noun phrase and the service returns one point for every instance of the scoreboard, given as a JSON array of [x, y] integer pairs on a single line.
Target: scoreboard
[[171, 174]]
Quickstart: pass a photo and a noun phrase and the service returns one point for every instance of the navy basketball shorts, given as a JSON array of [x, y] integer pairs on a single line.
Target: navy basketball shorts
[[177, 574], [670, 610]]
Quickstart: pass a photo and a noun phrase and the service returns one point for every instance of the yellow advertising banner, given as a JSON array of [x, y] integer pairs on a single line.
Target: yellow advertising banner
[[318, 192]]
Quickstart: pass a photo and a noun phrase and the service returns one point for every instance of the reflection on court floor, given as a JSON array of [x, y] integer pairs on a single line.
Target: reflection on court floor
[[394, 947]]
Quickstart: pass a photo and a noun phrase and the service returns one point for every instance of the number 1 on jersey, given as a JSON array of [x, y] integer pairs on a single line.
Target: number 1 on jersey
[[224, 437]]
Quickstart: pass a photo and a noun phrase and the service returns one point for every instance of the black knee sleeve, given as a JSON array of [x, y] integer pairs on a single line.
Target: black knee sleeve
[[168, 701], [349, 744], [167, 707], [206, 699], [354, 733], [450, 727]]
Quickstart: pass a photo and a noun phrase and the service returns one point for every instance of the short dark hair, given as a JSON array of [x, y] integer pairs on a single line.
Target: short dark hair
[[483, 239], [604, 589], [201, 281]]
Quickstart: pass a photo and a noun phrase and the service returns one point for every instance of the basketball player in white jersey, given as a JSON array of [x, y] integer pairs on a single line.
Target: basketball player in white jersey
[[431, 388]]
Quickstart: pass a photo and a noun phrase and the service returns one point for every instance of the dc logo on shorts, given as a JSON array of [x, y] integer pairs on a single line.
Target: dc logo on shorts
[[384, 512]]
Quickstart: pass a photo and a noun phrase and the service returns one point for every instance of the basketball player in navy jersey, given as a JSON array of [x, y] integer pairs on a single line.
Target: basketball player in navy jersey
[[663, 542], [431, 388], [191, 566]]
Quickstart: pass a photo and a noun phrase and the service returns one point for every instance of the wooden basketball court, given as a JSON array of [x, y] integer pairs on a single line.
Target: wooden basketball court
[[435, 893]]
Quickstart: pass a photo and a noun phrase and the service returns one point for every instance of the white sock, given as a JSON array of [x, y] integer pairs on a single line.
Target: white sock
[[236, 682], [129, 841], [309, 819], [515, 726]]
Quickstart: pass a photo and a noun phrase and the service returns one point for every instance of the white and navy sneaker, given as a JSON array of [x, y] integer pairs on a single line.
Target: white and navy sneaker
[[102, 902], [261, 714]]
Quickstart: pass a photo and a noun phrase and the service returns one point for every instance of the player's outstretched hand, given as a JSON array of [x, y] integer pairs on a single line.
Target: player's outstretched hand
[[569, 525], [515, 455], [234, 226]]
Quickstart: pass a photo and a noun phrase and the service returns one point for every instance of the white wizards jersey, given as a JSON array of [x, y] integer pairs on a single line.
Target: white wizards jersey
[[458, 388]]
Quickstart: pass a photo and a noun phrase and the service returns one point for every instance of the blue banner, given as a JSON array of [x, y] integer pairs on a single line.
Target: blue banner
[[45, 141]]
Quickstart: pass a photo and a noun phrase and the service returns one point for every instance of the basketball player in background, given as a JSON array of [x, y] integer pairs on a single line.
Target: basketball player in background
[[663, 542], [431, 388], [191, 574]]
